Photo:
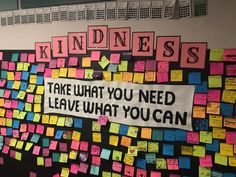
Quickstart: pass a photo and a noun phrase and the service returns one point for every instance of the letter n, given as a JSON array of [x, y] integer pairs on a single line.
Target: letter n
[[119, 39], [60, 46], [143, 43], [97, 36], [43, 51], [77, 43]]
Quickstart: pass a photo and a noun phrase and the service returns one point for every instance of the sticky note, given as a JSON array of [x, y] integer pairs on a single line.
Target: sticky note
[[138, 78], [125, 141], [221, 159], [86, 62], [184, 162], [104, 62], [146, 133], [215, 81], [198, 151], [205, 161], [123, 66], [216, 54], [161, 163], [176, 75], [226, 149], [95, 55], [168, 149], [115, 58], [150, 76], [139, 66], [216, 68], [194, 78]]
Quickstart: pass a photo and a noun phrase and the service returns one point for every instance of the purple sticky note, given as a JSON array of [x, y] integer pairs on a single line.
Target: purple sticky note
[[150, 65], [48, 162]]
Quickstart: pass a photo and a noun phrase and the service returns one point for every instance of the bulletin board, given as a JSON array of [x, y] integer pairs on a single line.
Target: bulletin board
[[114, 102]]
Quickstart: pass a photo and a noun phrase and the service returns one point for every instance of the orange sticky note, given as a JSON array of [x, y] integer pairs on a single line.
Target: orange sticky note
[[86, 62], [125, 141], [50, 131], [146, 133]]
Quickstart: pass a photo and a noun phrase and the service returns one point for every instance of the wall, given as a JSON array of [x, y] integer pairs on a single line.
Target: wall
[[218, 28]]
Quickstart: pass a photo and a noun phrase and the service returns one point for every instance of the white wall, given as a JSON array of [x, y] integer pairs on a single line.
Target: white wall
[[218, 28]]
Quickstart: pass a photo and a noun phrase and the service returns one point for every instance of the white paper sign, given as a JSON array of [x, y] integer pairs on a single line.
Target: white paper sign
[[126, 103]]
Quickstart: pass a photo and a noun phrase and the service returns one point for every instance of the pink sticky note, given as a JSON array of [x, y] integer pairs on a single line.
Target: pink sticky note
[[23, 57], [12, 153], [56, 175], [115, 58], [1, 55], [14, 104], [7, 104], [150, 65], [3, 131], [36, 150], [4, 64], [9, 114], [231, 137], [61, 62], [11, 66], [63, 147], [24, 136], [193, 137], [172, 164], [216, 68], [80, 73], [200, 99], [75, 145], [84, 146], [31, 128], [83, 167], [31, 58], [18, 76], [205, 161], [141, 172], [40, 129], [41, 67], [16, 133], [7, 93], [102, 120], [139, 66], [95, 150], [1, 161], [214, 95], [53, 63], [116, 166], [48, 162], [33, 174], [74, 168], [45, 152], [231, 70], [96, 160], [53, 145], [2, 82], [129, 170], [30, 98], [162, 77], [155, 174], [48, 73], [73, 61], [174, 175], [229, 55], [95, 55]]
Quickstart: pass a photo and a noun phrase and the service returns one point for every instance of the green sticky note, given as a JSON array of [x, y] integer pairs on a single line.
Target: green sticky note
[[215, 81], [123, 66], [104, 62], [216, 54]]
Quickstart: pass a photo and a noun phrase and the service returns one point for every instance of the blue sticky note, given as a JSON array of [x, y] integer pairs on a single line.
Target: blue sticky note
[[201, 124], [141, 163], [9, 131], [9, 84], [39, 80], [55, 157], [59, 134], [105, 154], [94, 170], [168, 149], [202, 88], [35, 138], [21, 105], [214, 147], [150, 158], [226, 109], [180, 135], [169, 135], [16, 124], [194, 78], [30, 116], [112, 67], [14, 94], [3, 74], [15, 57], [45, 142], [184, 162], [78, 123], [215, 173], [157, 135], [2, 92], [123, 129], [226, 174], [23, 86], [25, 75], [33, 69]]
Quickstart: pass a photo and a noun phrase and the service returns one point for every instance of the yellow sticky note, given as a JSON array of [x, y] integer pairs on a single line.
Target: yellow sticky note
[[215, 121], [116, 175], [61, 121], [125, 141], [32, 79], [232, 161], [132, 131], [97, 137], [213, 108], [150, 76], [118, 76], [28, 107], [114, 128], [128, 159], [127, 76], [2, 121], [142, 146], [2, 112], [204, 172], [218, 133], [123, 66], [138, 78], [106, 174], [65, 172], [104, 62], [13, 142], [88, 74], [229, 96], [63, 158], [53, 120], [62, 72], [226, 149], [153, 147], [72, 72], [18, 156], [221, 159], [40, 161], [10, 76], [117, 155], [21, 95], [86, 62], [146, 133], [230, 83], [73, 154], [55, 73], [16, 85], [176, 75], [9, 122], [20, 66], [76, 135], [186, 150], [37, 117], [216, 55], [106, 75], [206, 137], [215, 81], [199, 112], [161, 163], [199, 151], [26, 66], [113, 140], [133, 151], [96, 127], [19, 144], [45, 119], [1, 102], [30, 88], [28, 146], [37, 107], [40, 89]]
